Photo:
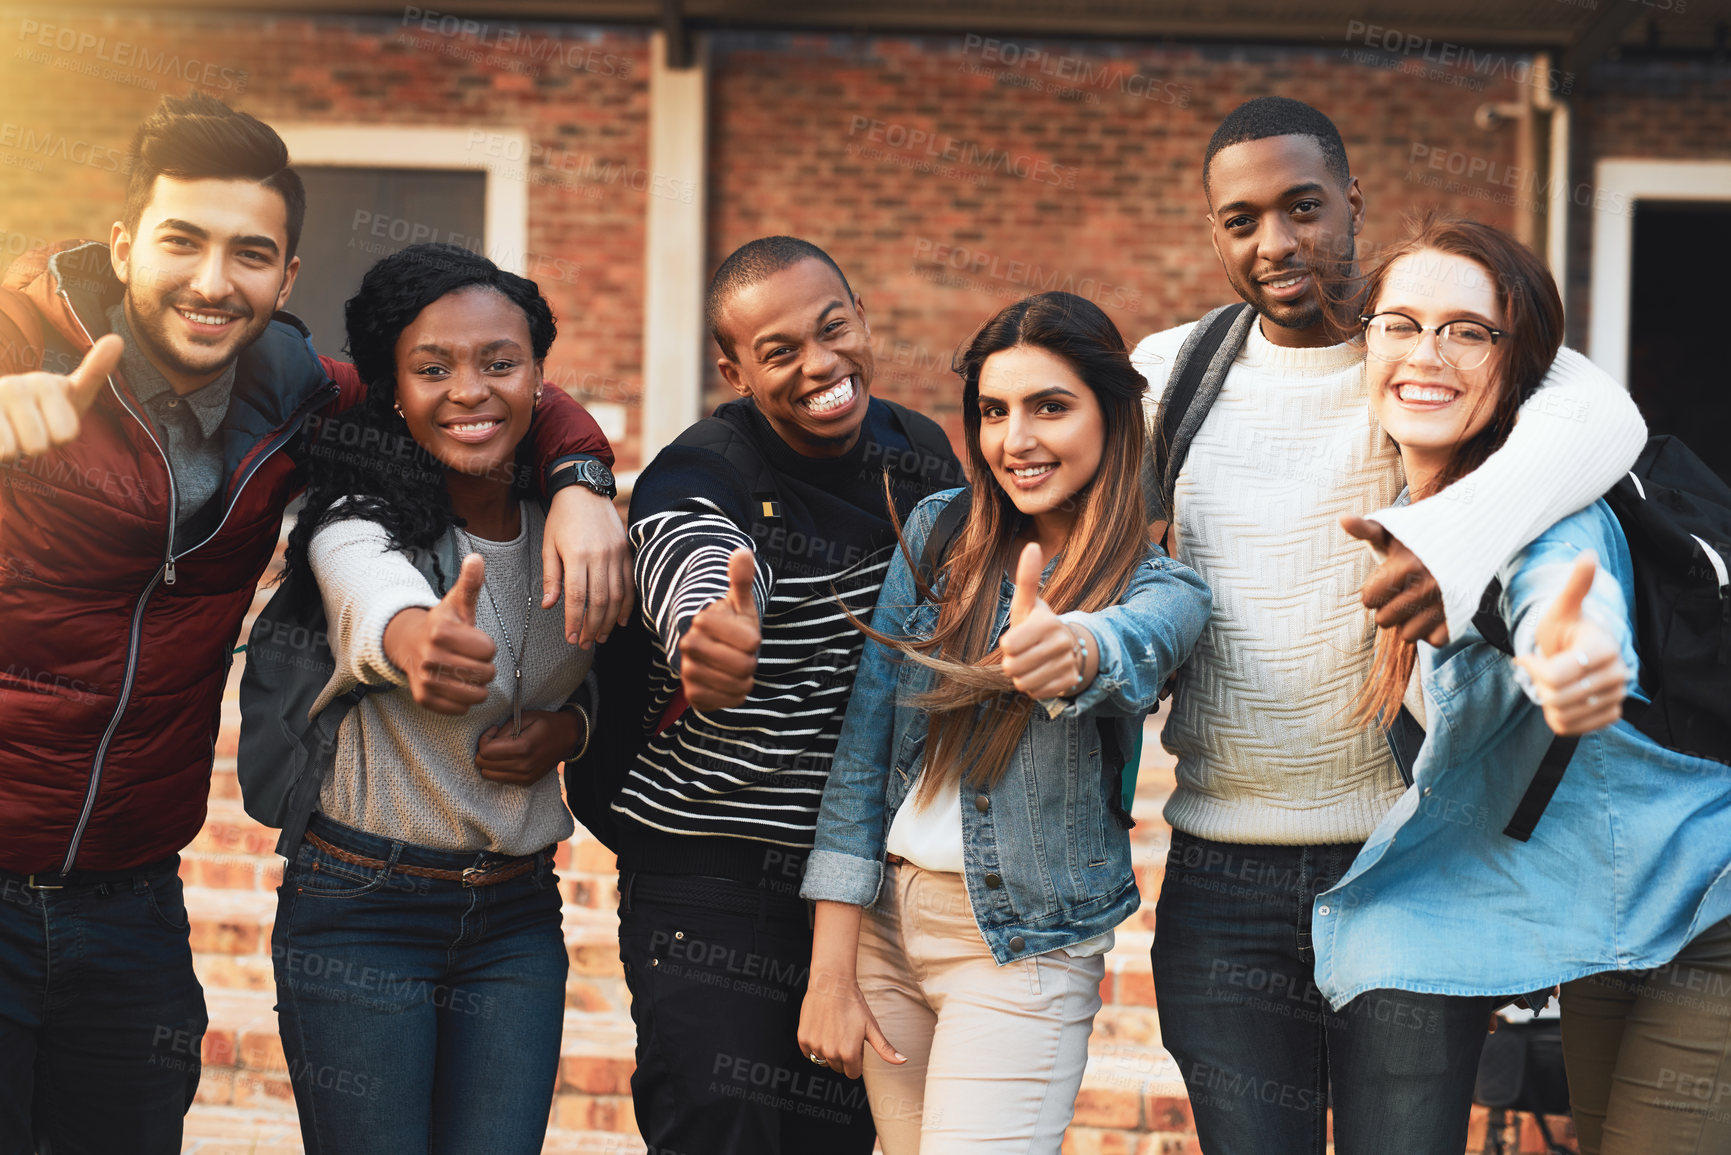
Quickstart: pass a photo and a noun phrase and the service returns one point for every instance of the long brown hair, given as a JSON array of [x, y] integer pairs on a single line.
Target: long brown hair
[[1532, 328], [1107, 542]]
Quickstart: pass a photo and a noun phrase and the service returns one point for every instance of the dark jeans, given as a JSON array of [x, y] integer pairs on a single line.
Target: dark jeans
[[717, 972], [1649, 1053], [101, 1016], [1260, 1049], [417, 1014]]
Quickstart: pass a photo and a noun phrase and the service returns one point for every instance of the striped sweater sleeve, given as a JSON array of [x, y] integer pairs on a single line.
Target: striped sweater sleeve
[[681, 564]]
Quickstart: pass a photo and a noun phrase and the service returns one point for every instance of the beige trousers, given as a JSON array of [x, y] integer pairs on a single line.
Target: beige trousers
[[995, 1054]]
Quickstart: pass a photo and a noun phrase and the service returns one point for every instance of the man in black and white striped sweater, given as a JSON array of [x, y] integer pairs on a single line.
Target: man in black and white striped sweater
[[751, 538]]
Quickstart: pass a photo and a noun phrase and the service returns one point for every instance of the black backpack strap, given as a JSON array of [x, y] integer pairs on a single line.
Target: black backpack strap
[[304, 798], [721, 438], [938, 467], [1488, 618], [1112, 764], [717, 436], [1166, 454], [1405, 736], [1488, 621], [949, 523], [1538, 796]]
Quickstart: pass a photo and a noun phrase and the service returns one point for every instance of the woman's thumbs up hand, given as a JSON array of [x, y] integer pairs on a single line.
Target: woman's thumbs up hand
[[447, 657], [1577, 670], [1043, 657]]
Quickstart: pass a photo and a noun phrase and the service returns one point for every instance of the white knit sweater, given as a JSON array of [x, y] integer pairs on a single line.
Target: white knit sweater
[[1260, 719]]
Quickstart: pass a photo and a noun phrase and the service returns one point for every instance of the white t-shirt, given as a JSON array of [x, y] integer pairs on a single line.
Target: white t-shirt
[[928, 833]]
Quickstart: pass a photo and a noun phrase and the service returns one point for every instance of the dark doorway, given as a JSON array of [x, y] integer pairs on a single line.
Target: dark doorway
[[1678, 324], [357, 215]]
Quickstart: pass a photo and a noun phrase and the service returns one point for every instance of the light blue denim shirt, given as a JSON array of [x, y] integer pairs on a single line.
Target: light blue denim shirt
[[1047, 865], [1630, 861]]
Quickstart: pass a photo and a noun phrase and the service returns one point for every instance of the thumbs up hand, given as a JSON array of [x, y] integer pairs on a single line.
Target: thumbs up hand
[[41, 410], [1578, 670], [1041, 654], [718, 654], [448, 659]]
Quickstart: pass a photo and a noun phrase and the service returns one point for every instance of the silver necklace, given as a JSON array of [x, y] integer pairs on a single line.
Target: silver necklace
[[516, 651]]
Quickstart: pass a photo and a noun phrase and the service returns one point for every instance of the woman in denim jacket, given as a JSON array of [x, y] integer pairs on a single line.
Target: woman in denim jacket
[[974, 802], [1623, 892]]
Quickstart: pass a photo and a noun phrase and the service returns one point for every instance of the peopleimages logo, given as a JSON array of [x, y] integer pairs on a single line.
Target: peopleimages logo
[[136, 58], [509, 44], [1492, 65], [942, 148]]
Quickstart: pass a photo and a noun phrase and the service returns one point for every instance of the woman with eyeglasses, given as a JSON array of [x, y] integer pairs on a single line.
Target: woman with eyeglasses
[[1622, 892]]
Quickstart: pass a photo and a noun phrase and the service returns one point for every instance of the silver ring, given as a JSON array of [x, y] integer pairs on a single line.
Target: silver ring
[[1581, 658], [818, 1059], [1592, 700]]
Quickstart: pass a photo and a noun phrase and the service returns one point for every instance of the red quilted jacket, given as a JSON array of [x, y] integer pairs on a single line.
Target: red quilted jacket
[[113, 653]]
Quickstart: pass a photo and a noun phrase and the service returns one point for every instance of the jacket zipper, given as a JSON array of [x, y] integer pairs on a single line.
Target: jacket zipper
[[164, 575]]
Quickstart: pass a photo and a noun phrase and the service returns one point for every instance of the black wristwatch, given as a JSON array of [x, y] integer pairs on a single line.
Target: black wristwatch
[[589, 472]]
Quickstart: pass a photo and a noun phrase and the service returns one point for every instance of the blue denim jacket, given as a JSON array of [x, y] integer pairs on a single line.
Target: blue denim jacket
[[1630, 861], [1046, 864]]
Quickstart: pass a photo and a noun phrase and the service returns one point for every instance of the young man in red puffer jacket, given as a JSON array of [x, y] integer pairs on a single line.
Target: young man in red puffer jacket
[[153, 404]]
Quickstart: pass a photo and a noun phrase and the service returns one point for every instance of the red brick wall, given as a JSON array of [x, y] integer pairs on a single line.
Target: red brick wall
[[950, 175], [79, 84]]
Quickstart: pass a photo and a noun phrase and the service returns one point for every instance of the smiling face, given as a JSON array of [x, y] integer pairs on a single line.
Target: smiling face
[[1042, 433], [467, 379], [1277, 210], [204, 270], [802, 352], [1425, 404]]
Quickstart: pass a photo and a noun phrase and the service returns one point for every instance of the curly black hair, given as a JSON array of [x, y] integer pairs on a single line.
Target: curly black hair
[[366, 454]]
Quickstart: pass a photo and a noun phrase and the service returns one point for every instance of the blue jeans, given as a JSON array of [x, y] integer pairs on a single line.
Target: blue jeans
[[101, 1016], [1261, 1051], [417, 1014]]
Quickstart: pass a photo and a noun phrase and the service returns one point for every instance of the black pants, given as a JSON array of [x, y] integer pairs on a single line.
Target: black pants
[[717, 971]]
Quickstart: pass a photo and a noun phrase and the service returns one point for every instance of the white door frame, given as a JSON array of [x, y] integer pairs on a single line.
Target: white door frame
[[501, 153], [1621, 182]]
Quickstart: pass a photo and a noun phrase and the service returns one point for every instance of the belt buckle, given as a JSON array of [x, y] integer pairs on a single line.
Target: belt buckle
[[472, 875], [30, 883]]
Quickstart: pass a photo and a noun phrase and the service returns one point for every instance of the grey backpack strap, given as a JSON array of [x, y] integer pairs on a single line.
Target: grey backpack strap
[[1197, 374], [293, 753]]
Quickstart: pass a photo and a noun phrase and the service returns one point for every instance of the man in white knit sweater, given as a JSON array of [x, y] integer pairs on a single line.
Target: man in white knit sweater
[[1276, 787]]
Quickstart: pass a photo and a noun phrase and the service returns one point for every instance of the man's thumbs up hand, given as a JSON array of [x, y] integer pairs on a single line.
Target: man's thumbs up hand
[[448, 659], [718, 654], [1578, 672], [1041, 654], [41, 410]]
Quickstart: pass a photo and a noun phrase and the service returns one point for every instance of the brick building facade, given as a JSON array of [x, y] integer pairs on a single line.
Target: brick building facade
[[948, 173]]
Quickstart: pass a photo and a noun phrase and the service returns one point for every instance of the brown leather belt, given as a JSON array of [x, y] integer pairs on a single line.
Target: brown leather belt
[[472, 876]]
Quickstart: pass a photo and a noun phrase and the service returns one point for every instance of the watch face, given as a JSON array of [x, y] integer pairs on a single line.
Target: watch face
[[596, 475]]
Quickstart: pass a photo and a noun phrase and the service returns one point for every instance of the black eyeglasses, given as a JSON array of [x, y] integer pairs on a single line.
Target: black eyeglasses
[[1462, 345]]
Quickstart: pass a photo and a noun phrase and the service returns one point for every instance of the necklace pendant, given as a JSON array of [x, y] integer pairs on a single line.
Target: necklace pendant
[[517, 705]]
